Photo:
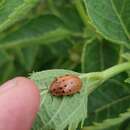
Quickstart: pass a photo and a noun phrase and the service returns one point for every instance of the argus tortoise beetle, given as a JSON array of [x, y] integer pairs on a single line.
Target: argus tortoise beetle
[[66, 85]]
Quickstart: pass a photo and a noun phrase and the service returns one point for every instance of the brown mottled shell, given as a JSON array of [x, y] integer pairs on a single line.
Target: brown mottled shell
[[66, 85]]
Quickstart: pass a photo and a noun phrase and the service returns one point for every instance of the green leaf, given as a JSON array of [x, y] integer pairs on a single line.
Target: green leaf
[[111, 18], [13, 10], [69, 14], [27, 56], [126, 124], [97, 56], [8, 72], [5, 62], [63, 48], [5, 57], [109, 122], [59, 112], [41, 30], [66, 11], [103, 102]]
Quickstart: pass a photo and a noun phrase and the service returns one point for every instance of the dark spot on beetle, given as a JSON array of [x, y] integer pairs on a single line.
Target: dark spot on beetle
[[60, 87], [65, 85], [69, 90], [54, 89], [63, 91]]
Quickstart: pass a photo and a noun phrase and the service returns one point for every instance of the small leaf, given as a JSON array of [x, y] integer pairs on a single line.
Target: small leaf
[[12, 11], [59, 112], [111, 19]]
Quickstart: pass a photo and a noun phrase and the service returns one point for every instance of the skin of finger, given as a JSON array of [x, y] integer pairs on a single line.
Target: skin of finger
[[18, 104]]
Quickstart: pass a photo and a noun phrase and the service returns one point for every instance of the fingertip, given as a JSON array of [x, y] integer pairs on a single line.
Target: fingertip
[[22, 81], [22, 100]]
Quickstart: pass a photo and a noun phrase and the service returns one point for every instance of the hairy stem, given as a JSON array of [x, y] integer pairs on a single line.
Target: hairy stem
[[97, 78], [79, 5], [115, 70]]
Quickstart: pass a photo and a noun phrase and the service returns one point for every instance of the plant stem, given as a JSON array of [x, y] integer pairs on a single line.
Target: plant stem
[[115, 70], [97, 78], [50, 37], [108, 73], [84, 17], [81, 11]]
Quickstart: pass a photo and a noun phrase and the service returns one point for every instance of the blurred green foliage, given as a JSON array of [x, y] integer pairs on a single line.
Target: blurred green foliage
[[84, 36]]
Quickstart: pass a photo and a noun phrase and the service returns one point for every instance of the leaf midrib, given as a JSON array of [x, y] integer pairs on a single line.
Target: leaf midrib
[[72, 114], [121, 22], [53, 117], [109, 122], [99, 31], [112, 103]]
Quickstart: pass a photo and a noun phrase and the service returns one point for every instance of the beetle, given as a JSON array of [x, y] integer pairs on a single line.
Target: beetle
[[66, 85]]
